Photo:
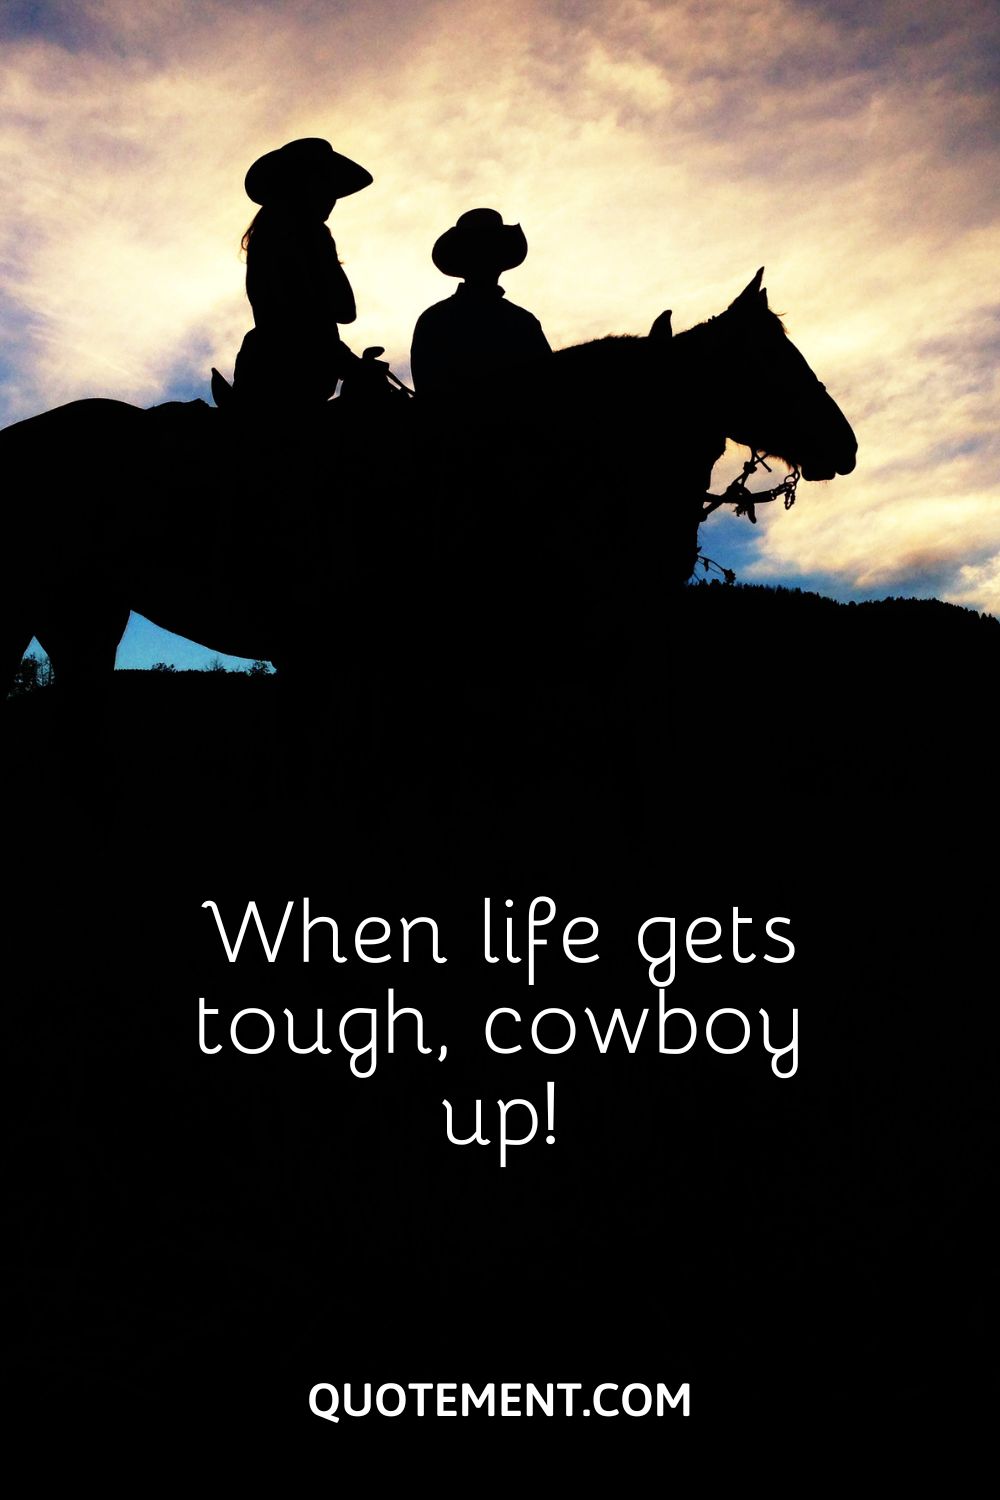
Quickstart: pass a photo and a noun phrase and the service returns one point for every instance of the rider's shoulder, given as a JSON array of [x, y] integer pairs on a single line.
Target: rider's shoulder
[[519, 314], [439, 311]]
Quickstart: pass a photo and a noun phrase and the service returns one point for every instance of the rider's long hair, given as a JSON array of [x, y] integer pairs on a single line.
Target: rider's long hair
[[248, 235]]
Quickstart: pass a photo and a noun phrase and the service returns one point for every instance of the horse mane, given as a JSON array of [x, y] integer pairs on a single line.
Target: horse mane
[[613, 345], [765, 321], [617, 351]]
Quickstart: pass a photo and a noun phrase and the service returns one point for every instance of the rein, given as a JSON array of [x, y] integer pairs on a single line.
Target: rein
[[744, 500]]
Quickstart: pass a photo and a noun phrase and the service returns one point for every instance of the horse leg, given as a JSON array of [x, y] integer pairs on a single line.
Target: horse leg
[[81, 635]]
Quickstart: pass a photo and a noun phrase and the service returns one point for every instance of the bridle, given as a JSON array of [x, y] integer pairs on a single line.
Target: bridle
[[745, 500]]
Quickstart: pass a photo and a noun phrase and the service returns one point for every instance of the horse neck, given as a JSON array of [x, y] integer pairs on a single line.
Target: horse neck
[[701, 360], [703, 355]]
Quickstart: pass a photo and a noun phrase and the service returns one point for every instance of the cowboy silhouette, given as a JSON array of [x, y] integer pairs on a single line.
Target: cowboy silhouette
[[476, 326], [293, 356]]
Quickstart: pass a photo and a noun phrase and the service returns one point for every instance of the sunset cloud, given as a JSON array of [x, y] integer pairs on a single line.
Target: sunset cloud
[[656, 155]]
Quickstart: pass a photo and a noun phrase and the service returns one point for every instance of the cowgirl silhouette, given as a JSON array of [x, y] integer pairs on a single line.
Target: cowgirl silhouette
[[298, 290]]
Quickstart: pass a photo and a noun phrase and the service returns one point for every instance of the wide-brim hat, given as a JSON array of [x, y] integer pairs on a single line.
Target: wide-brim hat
[[309, 160], [480, 241]]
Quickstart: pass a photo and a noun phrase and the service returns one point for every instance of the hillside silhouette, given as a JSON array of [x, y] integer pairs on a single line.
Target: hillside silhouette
[[746, 685]]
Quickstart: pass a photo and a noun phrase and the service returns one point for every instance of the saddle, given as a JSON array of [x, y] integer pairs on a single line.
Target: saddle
[[365, 380]]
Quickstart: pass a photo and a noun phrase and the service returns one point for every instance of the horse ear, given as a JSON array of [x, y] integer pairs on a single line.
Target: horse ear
[[750, 293], [662, 328]]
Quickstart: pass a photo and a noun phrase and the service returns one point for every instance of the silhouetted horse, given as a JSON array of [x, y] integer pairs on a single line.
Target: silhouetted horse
[[522, 508]]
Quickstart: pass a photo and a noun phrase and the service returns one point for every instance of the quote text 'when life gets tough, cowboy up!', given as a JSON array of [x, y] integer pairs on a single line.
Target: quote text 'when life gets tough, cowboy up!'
[[671, 950]]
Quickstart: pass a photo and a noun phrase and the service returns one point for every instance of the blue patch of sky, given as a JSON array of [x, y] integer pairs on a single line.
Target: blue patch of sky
[[730, 541], [189, 378], [186, 385], [78, 27], [68, 25], [144, 645]]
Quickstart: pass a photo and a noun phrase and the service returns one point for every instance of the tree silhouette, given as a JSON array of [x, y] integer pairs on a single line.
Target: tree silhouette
[[35, 672]]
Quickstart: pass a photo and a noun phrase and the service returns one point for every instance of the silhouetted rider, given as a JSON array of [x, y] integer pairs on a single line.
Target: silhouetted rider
[[296, 285], [475, 331]]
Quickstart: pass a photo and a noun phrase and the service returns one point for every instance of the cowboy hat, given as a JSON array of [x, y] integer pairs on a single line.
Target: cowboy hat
[[300, 161], [480, 241]]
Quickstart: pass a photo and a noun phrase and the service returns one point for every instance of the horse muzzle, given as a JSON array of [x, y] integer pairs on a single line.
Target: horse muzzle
[[829, 468]]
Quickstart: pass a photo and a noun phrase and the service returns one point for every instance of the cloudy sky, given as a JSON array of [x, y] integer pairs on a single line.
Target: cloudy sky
[[656, 154]]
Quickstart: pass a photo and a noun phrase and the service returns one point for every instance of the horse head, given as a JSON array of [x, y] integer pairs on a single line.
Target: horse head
[[773, 402]]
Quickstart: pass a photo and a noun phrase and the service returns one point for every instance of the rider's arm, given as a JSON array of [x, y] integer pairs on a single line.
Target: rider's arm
[[295, 281], [338, 292], [421, 355]]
